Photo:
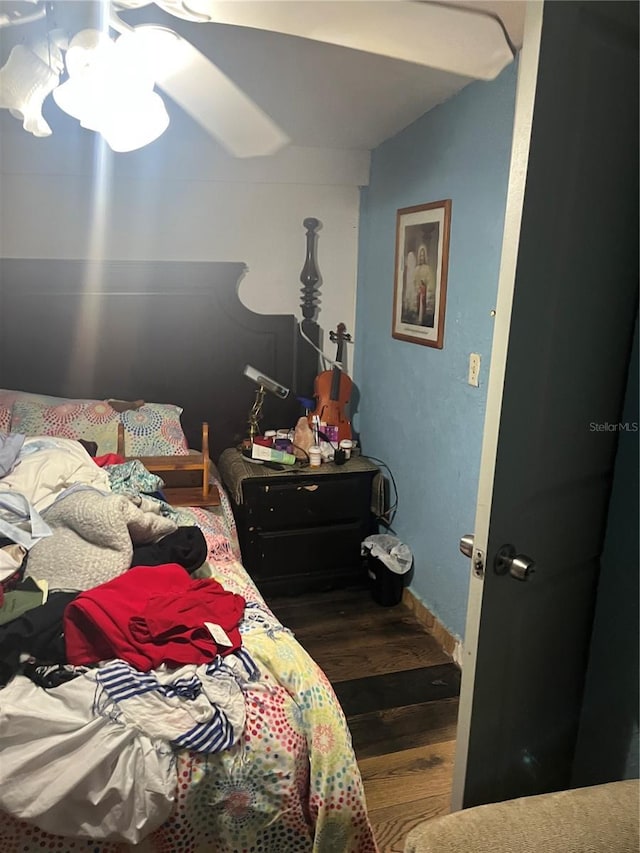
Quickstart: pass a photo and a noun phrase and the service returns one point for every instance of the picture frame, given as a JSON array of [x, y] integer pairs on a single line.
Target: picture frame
[[421, 268]]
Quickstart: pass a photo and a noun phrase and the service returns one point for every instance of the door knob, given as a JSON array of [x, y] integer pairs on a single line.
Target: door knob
[[466, 544], [518, 566]]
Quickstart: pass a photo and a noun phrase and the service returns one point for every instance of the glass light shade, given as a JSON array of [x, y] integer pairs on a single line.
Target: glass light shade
[[25, 81], [74, 97], [89, 60], [87, 50], [136, 123], [110, 90]]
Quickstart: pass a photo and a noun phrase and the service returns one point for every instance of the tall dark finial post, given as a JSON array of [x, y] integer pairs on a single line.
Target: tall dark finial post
[[307, 359], [309, 275]]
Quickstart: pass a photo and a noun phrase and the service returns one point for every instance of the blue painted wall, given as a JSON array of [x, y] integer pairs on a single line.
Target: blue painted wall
[[415, 409]]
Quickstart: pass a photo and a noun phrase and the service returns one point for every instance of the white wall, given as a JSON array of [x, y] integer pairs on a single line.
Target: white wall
[[181, 198]]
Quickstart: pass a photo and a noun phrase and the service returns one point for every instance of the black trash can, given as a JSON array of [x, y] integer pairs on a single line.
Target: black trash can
[[387, 560]]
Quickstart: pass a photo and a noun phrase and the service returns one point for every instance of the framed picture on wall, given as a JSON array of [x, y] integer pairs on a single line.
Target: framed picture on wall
[[422, 260]]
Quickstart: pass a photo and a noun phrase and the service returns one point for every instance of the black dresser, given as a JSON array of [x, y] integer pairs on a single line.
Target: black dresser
[[300, 529]]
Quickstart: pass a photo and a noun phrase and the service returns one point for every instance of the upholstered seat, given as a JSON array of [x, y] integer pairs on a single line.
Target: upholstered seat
[[598, 819]]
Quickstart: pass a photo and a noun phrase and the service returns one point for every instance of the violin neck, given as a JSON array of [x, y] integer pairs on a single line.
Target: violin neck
[[337, 372]]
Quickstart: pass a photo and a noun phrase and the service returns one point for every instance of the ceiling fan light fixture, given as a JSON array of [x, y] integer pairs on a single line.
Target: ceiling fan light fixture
[[110, 91]]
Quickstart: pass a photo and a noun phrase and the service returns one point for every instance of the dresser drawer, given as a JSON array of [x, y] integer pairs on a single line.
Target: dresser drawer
[[309, 551], [306, 502]]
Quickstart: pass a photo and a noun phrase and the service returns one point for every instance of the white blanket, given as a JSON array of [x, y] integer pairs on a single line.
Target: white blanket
[[76, 774], [43, 472]]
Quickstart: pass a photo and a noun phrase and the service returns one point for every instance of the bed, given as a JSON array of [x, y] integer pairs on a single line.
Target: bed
[[273, 770]]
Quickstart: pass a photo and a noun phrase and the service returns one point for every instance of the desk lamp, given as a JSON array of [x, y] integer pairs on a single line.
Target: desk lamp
[[264, 383]]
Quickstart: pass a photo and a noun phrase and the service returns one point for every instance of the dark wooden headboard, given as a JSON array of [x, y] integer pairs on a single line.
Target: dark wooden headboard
[[162, 331]]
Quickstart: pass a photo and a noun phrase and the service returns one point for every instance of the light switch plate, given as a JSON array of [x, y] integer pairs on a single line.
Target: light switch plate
[[474, 369]]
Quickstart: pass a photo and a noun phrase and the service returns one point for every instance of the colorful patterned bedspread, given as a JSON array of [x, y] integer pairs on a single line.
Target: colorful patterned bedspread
[[291, 784]]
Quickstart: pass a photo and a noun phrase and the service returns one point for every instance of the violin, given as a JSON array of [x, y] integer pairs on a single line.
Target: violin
[[332, 390]]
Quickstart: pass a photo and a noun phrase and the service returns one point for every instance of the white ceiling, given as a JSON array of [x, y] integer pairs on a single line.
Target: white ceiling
[[321, 95]]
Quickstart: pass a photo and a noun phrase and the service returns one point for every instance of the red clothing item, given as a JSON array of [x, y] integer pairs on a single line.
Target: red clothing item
[[151, 615], [108, 459]]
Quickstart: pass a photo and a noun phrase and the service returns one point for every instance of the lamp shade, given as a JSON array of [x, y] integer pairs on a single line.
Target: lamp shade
[[25, 81], [110, 91], [135, 123]]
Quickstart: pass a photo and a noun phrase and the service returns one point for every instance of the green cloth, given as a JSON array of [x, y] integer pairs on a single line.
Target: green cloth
[[18, 601]]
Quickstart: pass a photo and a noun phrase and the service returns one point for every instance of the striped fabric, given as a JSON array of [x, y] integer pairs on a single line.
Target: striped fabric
[[213, 736], [124, 686]]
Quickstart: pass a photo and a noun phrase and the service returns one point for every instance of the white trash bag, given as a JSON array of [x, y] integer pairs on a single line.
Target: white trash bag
[[395, 555]]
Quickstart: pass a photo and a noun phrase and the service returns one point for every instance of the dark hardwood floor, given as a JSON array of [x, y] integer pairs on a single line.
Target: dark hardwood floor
[[399, 692]]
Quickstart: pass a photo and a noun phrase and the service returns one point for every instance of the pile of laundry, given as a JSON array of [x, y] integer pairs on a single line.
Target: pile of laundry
[[113, 654]]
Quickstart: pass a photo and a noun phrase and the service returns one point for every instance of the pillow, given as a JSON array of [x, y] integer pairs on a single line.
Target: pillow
[[5, 418], [154, 429], [9, 397], [91, 420]]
